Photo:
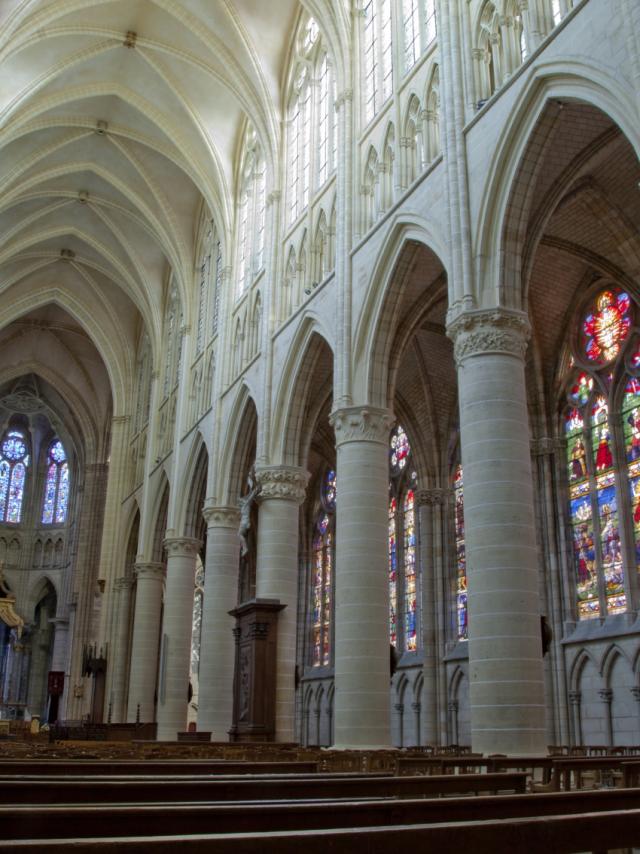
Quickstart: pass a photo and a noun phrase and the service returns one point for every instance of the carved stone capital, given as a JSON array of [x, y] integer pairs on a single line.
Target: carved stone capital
[[636, 693], [286, 482], [149, 571], [221, 517], [496, 330], [343, 97], [120, 419], [123, 583], [182, 546], [274, 196], [430, 497], [361, 424], [606, 695], [575, 697]]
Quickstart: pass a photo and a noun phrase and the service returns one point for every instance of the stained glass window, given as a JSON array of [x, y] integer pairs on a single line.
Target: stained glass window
[[14, 461], [329, 492], [56, 490], [403, 579], [606, 326], [605, 530], [461, 558], [393, 573], [410, 586], [322, 574]]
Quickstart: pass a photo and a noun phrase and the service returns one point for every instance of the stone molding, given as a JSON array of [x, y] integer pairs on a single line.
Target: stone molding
[[285, 482], [221, 517], [430, 497], [606, 695], [149, 571], [546, 446], [182, 546], [123, 583], [361, 424], [495, 330]]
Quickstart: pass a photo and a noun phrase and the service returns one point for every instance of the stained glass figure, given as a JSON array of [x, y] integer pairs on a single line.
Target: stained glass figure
[[329, 494], [13, 471], [322, 574], [461, 559], [56, 490], [581, 389], [393, 571], [409, 556], [607, 325], [400, 449]]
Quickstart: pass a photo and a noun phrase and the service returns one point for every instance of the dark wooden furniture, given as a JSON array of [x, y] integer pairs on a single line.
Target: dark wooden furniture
[[254, 682]]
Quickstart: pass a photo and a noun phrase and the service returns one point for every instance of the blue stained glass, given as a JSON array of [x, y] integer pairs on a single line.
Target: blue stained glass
[[14, 448], [50, 494], [16, 492], [57, 452], [63, 494], [461, 583], [393, 566], [5, 473], [330, 490]]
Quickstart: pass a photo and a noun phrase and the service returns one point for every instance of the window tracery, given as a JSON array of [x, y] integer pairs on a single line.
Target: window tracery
[[252, 213], [462, 627], [403, 581], [323, 550], [56, 491], [601, 421], [14, 461], [312, 135]]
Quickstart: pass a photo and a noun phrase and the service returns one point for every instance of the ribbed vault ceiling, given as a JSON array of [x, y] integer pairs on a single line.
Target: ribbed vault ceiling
[[118, 121]]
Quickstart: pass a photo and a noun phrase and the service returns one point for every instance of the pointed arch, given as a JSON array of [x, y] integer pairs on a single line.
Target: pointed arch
[[378, 318], [502, 213], [310, 350]]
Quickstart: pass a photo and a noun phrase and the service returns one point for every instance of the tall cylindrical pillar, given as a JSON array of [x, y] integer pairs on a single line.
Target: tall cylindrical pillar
[[282, 492], [173, 682], [217, 649], [430, 503], [505, 649], [117, 699], [144, 646], [362, 653]]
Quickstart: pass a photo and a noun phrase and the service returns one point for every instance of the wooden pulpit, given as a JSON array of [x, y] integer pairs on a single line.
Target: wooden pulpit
[[254, 681]]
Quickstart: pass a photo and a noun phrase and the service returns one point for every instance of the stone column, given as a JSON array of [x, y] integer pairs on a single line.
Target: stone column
[[505, 654], [217, 649], [60, 641], [606, 695], [173, 682], [362, 707], [636, 696], [122, 588], [575, 698], [283, 490], [144, 645], [430, 503]]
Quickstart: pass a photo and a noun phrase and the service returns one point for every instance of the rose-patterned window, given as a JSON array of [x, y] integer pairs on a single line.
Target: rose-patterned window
[[601, 426]]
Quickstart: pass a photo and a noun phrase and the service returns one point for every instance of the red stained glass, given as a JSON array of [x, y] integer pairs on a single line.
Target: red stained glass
[[607, 325]]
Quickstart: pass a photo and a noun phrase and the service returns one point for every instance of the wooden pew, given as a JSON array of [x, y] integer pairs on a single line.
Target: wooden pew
[[21, 790], [533, 765], [32, 822], [559, 833], [123, 767], [569, 772]]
